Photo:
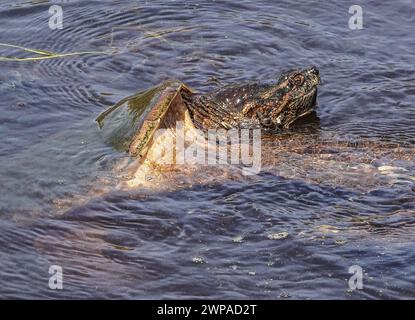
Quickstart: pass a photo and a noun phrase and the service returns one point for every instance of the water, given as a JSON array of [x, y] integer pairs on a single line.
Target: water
[[339, 195]]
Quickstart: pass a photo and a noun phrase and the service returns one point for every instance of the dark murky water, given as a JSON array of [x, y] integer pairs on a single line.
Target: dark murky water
[[292, 231]]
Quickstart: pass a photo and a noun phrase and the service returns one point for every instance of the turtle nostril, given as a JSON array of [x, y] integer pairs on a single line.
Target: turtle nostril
[[314, 70]]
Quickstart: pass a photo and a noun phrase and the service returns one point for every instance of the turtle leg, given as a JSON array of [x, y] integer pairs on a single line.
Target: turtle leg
[[267, 124]]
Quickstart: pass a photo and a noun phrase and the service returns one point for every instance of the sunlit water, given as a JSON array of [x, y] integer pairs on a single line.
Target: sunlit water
[[336, 195]]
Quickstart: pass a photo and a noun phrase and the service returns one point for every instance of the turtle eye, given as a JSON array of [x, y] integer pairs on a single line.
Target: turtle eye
[[297, 80]]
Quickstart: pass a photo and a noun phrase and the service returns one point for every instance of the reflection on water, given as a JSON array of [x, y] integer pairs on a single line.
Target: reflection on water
[[331, 195]]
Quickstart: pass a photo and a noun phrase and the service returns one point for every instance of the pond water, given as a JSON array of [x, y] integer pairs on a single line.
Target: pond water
[[338, 195]]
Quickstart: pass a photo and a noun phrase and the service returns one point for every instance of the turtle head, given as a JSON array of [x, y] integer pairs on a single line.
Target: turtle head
[[292, 97]]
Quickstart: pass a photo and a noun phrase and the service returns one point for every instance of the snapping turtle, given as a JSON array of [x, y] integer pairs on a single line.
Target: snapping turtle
[[130, 124]]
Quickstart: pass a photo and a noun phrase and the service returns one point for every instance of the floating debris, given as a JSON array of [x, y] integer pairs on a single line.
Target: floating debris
[[278, 236], [238, 239], [284, 295], [199, 260]]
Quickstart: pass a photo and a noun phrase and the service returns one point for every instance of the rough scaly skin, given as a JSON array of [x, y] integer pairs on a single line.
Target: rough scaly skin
[[269, 106]]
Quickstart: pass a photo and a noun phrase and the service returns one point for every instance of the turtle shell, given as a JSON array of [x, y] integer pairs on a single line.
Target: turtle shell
[[130, 124]]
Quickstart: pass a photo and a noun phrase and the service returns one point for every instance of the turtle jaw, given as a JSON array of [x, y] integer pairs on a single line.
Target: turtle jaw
[[296, 109], [303, 106]]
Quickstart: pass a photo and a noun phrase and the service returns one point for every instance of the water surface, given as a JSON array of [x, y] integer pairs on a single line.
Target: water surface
[[293, 231]]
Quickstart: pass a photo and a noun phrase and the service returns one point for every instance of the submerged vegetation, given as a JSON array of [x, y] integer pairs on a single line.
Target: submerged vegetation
[[42, 54]]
